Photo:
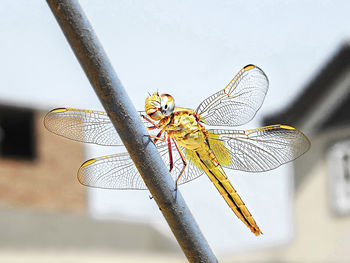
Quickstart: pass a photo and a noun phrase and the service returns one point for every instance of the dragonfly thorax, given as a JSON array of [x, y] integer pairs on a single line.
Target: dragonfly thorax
[[158, 106]]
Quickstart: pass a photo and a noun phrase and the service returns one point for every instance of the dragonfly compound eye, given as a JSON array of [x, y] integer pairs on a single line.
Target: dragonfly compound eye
[[167, 104]]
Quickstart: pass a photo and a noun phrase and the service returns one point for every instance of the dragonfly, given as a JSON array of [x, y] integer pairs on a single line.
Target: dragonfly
[[186, 145]]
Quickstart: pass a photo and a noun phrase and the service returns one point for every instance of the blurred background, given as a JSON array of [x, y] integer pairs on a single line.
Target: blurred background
[[189, 49]]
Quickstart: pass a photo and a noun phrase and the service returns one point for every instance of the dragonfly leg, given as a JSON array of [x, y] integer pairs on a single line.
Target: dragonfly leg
[[150, 121], [158, 138], [152, 128], [170, 155], [184, 162]]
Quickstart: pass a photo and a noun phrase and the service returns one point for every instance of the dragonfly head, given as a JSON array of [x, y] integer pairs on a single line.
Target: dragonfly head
[[159, 106]]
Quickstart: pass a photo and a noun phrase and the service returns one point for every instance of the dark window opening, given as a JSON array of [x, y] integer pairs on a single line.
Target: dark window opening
[[17, 133]]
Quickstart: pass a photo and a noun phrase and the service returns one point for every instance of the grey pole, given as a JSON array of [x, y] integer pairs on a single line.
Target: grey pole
[[126, 120]]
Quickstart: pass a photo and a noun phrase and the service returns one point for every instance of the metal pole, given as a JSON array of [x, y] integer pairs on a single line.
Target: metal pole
[[126, 120]]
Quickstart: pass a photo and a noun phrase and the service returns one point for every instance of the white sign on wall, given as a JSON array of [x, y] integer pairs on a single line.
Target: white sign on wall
[[338, 160]]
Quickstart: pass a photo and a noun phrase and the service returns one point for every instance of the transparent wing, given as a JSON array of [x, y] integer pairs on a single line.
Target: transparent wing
[[115, 171], [119, 172], [238, 102], [260, 149], [83, 125]]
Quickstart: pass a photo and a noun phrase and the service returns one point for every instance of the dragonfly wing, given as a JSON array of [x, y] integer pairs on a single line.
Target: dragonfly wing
[[119, 172], [115, 171], [238, 102], [258, 150], [84, 126]]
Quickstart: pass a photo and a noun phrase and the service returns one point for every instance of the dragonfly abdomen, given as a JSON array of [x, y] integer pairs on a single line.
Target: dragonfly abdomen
[[217, 175]]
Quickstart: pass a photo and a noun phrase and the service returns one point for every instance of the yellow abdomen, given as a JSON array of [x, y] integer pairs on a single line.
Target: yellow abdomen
[[205, 159]]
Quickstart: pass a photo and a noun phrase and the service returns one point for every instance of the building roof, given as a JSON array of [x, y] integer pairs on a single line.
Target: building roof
[[318, 90]]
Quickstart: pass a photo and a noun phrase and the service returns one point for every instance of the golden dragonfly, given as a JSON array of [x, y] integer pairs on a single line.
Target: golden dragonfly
[[186, 146]]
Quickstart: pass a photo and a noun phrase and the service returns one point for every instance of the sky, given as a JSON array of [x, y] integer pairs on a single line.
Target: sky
[[189, 49]]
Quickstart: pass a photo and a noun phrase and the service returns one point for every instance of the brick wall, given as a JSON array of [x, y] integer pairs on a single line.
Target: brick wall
[[49, 181]]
